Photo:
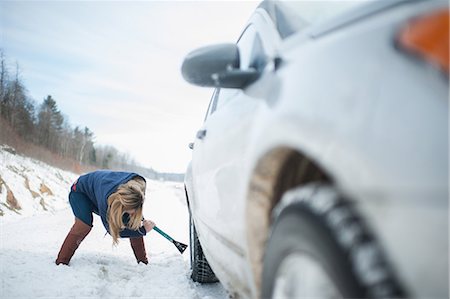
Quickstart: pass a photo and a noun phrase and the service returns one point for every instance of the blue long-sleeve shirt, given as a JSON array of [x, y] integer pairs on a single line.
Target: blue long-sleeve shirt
[[98, 186]]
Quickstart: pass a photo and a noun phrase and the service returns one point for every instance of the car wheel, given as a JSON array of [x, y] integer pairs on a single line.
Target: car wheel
[[201, 271], [320, 248]]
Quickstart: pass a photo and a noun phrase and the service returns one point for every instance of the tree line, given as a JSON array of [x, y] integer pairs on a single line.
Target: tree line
[[45, 126]]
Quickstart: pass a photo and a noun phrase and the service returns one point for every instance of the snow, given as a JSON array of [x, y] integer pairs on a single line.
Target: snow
[[31, 240], [36, 185]]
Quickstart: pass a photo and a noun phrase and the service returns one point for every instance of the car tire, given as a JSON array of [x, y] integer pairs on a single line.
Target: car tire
[[201, 271], [319, 247]]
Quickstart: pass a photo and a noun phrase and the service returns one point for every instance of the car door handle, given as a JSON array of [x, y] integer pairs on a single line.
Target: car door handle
[[201, 134]]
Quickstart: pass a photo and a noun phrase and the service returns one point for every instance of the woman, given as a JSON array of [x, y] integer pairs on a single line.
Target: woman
[[117, 197]]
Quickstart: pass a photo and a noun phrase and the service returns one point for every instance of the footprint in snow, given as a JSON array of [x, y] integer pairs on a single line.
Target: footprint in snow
[[103, 262], [103, 272]]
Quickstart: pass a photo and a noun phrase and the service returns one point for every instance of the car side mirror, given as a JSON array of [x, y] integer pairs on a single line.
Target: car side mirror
[[217, 66]]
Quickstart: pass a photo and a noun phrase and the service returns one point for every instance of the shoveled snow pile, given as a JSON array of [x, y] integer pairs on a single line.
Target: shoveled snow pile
[[31, 237]]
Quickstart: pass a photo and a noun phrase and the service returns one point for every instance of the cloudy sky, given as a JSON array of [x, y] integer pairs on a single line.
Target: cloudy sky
[[115, 66]]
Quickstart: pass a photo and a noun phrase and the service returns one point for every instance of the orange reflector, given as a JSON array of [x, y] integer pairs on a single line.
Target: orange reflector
[[427, 36]]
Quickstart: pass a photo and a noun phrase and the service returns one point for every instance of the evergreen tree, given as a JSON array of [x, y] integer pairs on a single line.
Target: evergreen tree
[[48, 127], [50, 124]]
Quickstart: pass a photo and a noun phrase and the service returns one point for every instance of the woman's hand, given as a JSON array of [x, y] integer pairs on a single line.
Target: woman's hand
[[148, 225]]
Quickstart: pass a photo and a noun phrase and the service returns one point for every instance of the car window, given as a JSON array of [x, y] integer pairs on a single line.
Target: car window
[[251, 53], [246, 44]]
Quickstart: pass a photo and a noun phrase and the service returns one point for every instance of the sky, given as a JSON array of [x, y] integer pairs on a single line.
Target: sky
[[114, 66]]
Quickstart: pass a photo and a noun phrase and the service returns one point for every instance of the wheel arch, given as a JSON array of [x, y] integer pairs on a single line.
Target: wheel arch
[[277, 171]]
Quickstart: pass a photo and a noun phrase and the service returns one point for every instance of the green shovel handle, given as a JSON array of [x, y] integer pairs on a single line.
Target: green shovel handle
[[163, 234]]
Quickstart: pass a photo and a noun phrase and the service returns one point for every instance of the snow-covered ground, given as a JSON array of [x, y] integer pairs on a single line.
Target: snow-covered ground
[[31, 240]]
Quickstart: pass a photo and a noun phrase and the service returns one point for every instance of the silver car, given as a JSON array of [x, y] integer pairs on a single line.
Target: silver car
[[321, 169]]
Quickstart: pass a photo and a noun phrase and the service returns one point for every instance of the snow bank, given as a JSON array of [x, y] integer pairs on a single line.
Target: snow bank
[[29, 187]]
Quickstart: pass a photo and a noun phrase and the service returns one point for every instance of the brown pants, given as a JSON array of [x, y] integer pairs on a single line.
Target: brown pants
[[139, 249], [75, 236]]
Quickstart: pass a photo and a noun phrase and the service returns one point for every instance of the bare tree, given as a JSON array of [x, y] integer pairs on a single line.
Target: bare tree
[[3, 78], [47, 127]]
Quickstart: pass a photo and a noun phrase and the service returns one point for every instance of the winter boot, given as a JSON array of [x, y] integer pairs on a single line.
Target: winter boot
[[76, 234], [139, 249]]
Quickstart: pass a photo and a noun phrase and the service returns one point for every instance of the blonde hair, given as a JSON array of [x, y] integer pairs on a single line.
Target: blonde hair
[[128, 196]]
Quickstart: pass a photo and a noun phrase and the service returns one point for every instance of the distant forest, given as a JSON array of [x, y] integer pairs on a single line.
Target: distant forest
[[43, 132]]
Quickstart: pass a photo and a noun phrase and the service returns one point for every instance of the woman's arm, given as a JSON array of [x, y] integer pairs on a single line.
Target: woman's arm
[[128, 233], [142, 231]]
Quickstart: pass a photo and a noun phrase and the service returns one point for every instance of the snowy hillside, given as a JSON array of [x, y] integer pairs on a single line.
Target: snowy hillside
[[36, 217], [29, 187]]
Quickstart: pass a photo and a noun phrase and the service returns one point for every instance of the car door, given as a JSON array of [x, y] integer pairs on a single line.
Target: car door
[[218, 161]]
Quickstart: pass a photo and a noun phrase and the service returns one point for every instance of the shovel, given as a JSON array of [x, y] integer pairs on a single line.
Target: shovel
[[180, 246]]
